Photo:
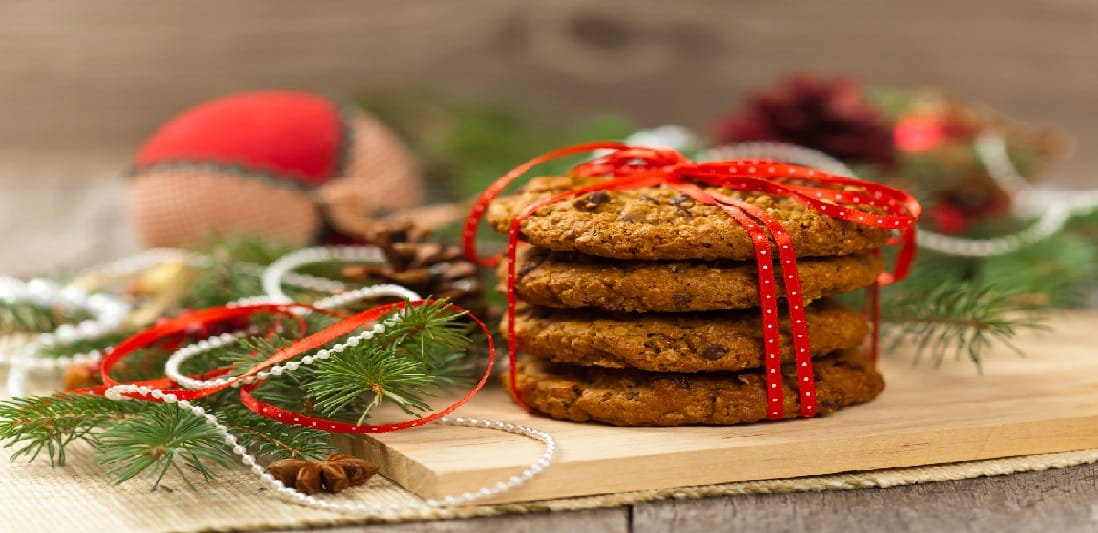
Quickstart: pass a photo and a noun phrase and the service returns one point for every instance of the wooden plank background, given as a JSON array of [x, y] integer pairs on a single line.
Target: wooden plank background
[[98, 76], [82, 83]]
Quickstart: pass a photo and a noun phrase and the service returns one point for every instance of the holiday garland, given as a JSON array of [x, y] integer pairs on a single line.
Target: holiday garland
[[419, 354]]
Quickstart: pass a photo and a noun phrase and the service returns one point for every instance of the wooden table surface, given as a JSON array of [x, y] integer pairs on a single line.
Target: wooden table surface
[[1059, 500]]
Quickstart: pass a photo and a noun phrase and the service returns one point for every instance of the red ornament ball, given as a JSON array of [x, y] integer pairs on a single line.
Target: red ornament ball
[[258, 162]]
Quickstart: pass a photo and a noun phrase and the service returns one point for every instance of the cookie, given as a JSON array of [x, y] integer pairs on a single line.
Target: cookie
[[659, 223], [638, 398], [570, 280], [676, 342]]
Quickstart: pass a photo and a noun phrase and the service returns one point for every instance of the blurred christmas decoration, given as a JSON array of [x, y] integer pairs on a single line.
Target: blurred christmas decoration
[[266, 163], [938, 145], [923, 140], [832, 116], [995, 247]]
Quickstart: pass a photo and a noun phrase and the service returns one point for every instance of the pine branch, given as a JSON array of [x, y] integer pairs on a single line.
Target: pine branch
[[1049, 273], [271, 439], [54, 422], [378, 372], [56, 351], [957, 317], [26, 317], [405, 365], [237, 268], [161, 439]]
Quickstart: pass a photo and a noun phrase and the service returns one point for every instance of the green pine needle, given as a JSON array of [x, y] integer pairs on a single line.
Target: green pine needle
[[958, 318], [25, 317], [56, 351], [165, 438], [269, 439], [342, 380], [406, 364], [35, 423]]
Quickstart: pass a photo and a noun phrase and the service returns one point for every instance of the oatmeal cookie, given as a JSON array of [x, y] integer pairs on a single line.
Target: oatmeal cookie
[[638, 398], [660, 223]]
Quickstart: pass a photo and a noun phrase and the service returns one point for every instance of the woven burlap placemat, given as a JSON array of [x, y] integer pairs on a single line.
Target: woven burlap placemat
[[80, 497]]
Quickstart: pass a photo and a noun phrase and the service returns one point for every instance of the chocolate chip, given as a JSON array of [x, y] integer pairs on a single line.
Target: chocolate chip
[[680, 199], [632, 395], [680, 300], [534, 261], [681, 203], [681, 381], [658, 342], [598, 197], [592, 200], [713, 352]]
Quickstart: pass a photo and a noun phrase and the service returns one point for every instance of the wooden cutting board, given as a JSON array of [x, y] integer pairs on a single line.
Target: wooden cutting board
[[1045, 402]]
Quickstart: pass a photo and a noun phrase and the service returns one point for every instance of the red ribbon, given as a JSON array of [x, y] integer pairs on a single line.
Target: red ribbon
[[627, 167], [206, 317]]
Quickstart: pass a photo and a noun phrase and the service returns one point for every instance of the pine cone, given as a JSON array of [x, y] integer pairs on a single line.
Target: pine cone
[[827, 115], [428, 268], [333, 474]]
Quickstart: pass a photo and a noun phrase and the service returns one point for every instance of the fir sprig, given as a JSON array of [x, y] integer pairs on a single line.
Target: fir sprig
[[24, 317], [958, 318], [32, 424], [268, 438], [165, 438], [101, 343], [405, 364]]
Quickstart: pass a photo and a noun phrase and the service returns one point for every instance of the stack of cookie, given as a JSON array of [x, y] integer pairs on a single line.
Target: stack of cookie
[[640, 307]]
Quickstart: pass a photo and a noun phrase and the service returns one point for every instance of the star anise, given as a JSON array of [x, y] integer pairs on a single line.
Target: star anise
[[333, 474]]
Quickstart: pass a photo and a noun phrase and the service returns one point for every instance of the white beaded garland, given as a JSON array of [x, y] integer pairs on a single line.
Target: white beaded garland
[[281, 271], [110, 313], [544, 461], [107, 313]]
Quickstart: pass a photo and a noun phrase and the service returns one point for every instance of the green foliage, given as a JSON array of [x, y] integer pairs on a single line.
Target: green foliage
[[82, 346], [270, 439], [24, 317], [1053, 270], [236, 269], [53, 422], [965, 319], [405, 364], [162, 439]]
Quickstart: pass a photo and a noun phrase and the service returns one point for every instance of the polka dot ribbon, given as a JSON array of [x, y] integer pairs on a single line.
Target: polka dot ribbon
[[625, 167], [170, 330]]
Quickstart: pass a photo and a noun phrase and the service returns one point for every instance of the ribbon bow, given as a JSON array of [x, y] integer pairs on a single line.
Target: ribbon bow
[[626, 167]]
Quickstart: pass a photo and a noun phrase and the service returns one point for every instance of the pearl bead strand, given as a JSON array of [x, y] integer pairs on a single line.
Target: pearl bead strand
[[537, 467], [108, 314]]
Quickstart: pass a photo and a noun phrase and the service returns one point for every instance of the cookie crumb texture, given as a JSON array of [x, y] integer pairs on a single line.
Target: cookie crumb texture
[[637, 398], [676, 342], [660, 223], [569, 280]]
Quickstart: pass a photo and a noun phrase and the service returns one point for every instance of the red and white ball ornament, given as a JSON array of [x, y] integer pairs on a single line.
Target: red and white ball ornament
[[263, 163]]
